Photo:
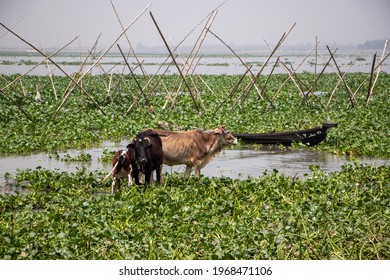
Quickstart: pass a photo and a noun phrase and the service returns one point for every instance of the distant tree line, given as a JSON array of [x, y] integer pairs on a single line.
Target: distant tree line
[[372, 45]]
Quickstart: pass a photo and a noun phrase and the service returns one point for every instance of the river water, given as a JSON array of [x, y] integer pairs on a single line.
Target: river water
[[218, 64], [247, 161]]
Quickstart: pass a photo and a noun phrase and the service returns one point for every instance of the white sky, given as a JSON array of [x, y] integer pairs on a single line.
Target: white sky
[[56, 22]]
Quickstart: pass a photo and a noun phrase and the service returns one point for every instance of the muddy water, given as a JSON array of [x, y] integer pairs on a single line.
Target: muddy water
[[234, 163]]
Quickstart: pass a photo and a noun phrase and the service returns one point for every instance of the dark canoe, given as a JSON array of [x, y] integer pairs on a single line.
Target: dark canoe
[[311, 136]]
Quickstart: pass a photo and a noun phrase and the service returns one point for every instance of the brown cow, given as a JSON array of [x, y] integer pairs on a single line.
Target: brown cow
[[194, 148]]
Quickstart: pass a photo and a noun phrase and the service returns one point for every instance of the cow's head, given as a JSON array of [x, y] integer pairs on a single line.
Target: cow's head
[[141, 150], [225, 137]]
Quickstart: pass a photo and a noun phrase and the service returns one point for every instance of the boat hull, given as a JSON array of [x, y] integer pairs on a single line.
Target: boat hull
[[310, 137]]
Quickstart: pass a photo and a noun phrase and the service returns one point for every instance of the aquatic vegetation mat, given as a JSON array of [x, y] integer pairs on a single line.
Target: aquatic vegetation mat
[[60, 215], [48, 124]]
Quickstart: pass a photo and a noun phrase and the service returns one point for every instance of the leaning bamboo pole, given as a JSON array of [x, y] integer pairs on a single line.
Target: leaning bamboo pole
[[106, 51], [367, 77], [174, 60], [143, 70], [377, 74], [193, 84], [248, 88], [35, 66], [198, 44], [184, 38], [187, 64], [280, 42], [262, 92], [371, 76], [351, 96], [134, 77], [17, 105], [233, 89], [50, 74], [340, 80], [128, 40], [239, 58], [290, 76], [13, 26]]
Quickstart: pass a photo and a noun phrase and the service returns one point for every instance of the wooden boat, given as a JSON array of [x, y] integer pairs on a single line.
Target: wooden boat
[[312, 136]]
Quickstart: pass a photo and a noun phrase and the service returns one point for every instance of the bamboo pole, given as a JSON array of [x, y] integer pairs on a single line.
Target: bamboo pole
[[268, 78], [127, 38], [144, 72], [376, 68], [17, 105], [13, 26], [134, 77], [288, 72], [377, 73], [187, 64], [43, 61], [233, 89], [371, 76], [341, 76], [239, 58], [340, 80], [173, 58], [49, 73], [23, 89], [280, 42], [291, 74], [106, 51], [199, 41], [262, 92], [185, 37], [193, 84]]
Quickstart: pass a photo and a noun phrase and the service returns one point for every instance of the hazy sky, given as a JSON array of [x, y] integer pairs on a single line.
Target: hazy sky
[[56, 22]]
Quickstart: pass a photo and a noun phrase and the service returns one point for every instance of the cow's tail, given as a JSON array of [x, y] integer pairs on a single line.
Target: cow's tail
[[112, 170]]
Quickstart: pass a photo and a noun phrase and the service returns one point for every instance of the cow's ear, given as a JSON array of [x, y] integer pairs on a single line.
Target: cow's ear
[[131, 145]]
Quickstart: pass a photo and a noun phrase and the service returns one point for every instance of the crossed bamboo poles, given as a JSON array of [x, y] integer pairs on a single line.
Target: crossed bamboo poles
[[187, 71]]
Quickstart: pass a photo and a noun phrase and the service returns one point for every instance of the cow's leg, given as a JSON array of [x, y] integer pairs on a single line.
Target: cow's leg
[[151, 178], [148, 174], [135, 172], [197, 171], [113, 186], [187, 173], [158, 174], [129, 177], [118, 182]]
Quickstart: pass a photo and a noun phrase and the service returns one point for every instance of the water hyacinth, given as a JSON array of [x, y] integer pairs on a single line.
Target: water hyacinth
[[362, 130], [63, 215], [342, 215]]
